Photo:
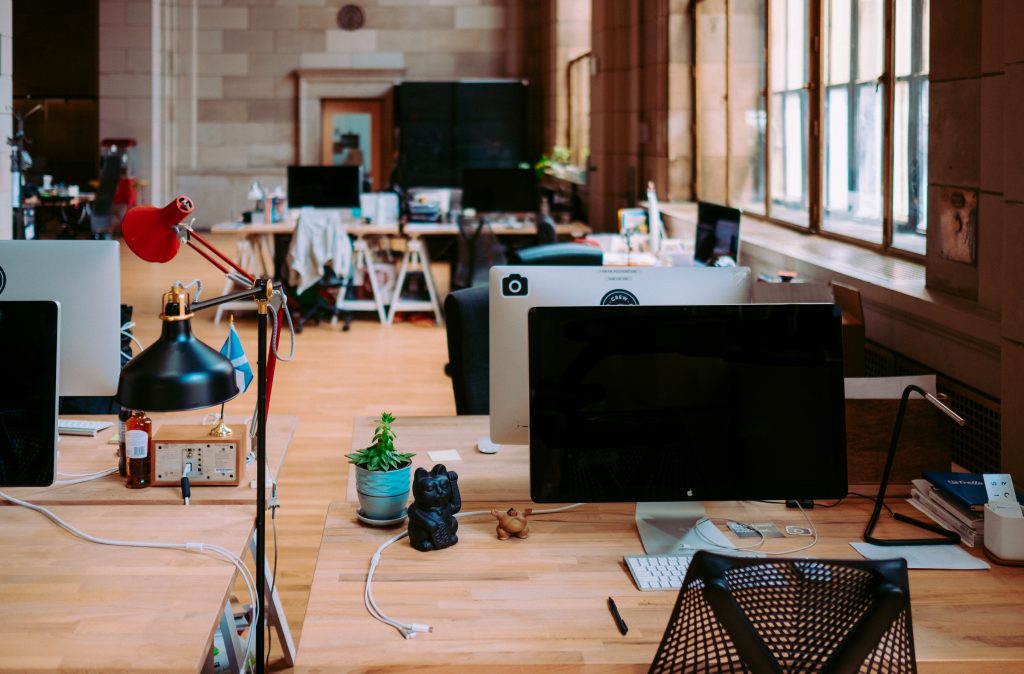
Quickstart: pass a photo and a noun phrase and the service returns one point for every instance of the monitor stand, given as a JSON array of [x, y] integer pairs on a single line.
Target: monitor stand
[[667, 527]]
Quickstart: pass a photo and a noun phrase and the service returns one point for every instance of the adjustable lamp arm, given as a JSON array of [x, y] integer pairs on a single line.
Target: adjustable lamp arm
[[947, 537]]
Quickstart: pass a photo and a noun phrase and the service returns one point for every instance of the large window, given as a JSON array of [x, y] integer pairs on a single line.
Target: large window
[[827, 111]]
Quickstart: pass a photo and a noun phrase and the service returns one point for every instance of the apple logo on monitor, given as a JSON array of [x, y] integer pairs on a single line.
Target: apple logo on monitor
[[619, 298]]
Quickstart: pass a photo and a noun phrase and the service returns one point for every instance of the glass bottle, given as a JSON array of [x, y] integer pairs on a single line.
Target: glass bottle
[[138, 437], [122, 419]]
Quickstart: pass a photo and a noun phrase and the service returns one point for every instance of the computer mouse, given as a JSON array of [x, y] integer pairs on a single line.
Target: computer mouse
[[485, 445]]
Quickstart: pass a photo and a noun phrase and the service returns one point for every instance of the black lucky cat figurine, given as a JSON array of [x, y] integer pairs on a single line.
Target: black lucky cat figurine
[[436, 499]]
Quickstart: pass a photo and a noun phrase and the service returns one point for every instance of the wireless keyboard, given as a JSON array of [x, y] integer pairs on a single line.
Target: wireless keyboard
[[81, 427], [658, 572]]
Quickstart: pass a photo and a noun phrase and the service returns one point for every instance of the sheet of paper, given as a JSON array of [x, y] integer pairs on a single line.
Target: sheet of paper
[[858, 388], [923, 556], [1001, 494], [445, 455]]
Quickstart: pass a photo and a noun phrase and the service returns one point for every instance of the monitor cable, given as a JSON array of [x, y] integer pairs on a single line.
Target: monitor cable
[[218, 551], [761, 540], [66, 479], [410, 630]]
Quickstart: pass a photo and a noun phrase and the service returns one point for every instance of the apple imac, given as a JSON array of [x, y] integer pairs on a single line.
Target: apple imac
[[685, 404], [85, 278], [717, 238], [324, 186], [29, 370], [513, 291]]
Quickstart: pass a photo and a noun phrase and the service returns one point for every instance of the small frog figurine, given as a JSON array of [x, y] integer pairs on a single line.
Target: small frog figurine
[[511, 523], [436, 499]]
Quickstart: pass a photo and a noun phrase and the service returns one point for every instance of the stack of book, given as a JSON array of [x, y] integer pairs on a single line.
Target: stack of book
[[955, 501]]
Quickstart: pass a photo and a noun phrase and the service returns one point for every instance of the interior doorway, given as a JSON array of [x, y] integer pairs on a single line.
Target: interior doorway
[[358, 131]]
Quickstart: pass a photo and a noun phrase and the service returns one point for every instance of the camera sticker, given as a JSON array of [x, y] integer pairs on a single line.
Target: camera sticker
[[515, 285]]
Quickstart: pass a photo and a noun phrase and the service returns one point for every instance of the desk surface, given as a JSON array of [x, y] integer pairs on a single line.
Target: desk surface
[[412, 229], [541, 601], [72, 605], [92, 454]]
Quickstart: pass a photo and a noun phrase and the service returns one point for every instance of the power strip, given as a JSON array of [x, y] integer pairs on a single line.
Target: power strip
[[216, 461]]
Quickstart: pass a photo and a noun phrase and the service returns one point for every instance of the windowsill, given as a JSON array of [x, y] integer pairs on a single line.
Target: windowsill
[[926, 325]]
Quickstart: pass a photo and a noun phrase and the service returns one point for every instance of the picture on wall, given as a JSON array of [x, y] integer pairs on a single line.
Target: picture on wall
[[958, 224]]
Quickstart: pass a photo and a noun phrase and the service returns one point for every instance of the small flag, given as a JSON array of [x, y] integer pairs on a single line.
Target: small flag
[[232, 349]]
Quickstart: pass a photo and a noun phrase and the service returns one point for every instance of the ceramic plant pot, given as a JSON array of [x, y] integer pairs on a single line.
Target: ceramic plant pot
[[383, 495]]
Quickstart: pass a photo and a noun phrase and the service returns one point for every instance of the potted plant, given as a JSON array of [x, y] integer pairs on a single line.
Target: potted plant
[[383, 475]]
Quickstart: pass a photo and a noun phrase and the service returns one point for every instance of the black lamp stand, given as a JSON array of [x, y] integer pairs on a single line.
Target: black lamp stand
[[945, 536]]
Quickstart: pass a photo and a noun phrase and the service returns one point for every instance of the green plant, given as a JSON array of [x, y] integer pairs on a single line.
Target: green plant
[[381, 455]]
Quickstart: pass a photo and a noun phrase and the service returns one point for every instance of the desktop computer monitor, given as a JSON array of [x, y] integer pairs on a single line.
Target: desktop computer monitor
[[29, 370], [85, 277], [686, 403], [324, 186], [717, 239], [500, 190], [515, 290]]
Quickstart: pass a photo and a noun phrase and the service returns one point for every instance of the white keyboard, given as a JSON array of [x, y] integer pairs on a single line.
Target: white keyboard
[[658, 572], [81, 427]]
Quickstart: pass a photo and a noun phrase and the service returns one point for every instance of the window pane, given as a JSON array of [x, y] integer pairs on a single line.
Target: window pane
[[788, 165], [837, 143], [870, 39], [796, 44], [837, 44], [746, 105], [910, 127]]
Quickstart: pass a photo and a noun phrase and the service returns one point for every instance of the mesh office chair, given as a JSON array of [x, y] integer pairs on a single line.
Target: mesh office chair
[[789, 615]]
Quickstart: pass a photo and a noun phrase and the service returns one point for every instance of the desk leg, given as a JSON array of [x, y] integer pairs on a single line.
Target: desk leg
[[275, 612], [364, 260], [415, 255], [232, 643]]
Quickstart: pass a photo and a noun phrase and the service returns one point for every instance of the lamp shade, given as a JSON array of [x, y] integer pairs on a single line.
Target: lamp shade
[[177, 372], [149, 231]]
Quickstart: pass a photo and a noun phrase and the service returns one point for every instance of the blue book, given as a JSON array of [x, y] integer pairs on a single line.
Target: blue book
[[966, 489]]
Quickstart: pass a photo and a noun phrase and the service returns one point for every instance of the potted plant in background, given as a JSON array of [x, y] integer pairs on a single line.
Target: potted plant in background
[[383, 476]]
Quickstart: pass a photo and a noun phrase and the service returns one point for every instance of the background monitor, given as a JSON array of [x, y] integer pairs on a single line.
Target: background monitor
[[85, 277], [500, 190], [324, 186], [718, 234], [30, 344], [687, 403], [515, 290]]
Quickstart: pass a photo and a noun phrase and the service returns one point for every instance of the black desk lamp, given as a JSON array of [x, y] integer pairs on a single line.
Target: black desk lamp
[[945, 535], [178, 372]]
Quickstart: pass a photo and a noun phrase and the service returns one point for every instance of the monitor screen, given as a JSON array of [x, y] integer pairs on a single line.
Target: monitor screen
[[686, 403], [718, 234], [514, 290], [29, 342], [500, 190], [324, 186], [85, 277]]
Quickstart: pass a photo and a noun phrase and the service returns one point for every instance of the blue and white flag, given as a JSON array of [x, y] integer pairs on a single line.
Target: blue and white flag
[[232, 349]]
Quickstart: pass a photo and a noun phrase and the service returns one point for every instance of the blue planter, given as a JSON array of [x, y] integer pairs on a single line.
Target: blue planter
[[383, 495]]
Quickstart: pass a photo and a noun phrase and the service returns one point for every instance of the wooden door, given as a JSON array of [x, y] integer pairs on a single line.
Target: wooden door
[[368, 119]]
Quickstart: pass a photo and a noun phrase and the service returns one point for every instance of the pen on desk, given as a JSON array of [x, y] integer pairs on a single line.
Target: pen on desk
[[619, 622]]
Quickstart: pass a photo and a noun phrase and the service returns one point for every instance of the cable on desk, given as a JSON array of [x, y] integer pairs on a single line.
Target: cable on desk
[[810, 525], [273, 505], [78, 478], [410, 630], [216, 550]]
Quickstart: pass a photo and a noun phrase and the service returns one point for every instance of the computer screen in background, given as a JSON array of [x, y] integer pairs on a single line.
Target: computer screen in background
[[500, 190], [324, 186], [85, 278], [717, 236], [30, 344], [686, 403], [514, 290]]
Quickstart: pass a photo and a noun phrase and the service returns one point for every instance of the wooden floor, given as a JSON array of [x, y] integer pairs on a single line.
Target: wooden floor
[[335, 376]]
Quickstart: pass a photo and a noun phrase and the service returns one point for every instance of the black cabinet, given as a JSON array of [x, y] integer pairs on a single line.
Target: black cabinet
[[444, 127]]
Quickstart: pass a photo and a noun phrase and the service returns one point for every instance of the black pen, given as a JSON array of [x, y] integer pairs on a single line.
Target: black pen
[[619, 622]]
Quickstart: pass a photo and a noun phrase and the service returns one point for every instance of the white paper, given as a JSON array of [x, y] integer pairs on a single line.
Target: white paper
[[858, 388], [1001, 494], [923, 556], [445, 455]]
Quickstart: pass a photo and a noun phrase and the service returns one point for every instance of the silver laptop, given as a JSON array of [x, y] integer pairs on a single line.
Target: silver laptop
[[85, 277], [514, 290]]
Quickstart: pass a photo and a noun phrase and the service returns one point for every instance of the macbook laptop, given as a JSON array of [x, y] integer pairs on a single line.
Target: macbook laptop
[[717, 241]]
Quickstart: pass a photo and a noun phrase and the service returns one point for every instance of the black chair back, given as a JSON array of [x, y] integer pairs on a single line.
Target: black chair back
[[790, 615], [564, 254], [466, 321]]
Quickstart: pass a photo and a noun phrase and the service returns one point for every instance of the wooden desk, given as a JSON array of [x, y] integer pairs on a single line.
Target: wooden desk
[[540, 602], [92, 454], [69, 605]]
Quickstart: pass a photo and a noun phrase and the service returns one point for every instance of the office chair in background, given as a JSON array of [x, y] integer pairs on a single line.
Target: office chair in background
[[563, 254], [319, 265], [790, 615]]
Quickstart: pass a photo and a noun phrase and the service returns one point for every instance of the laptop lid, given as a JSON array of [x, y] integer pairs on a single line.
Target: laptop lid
[[717, 239], [514, 290], [29, 370]]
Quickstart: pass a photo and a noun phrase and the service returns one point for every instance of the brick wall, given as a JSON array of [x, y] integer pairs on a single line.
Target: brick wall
[[229, 112]]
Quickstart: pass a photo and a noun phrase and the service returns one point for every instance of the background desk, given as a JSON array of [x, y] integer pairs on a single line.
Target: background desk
[[540, 602], [72, 605]]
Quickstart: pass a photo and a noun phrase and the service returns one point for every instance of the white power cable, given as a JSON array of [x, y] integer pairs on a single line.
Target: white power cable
[[810, 525], [410, 630], [217, 550], [78, 478]]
